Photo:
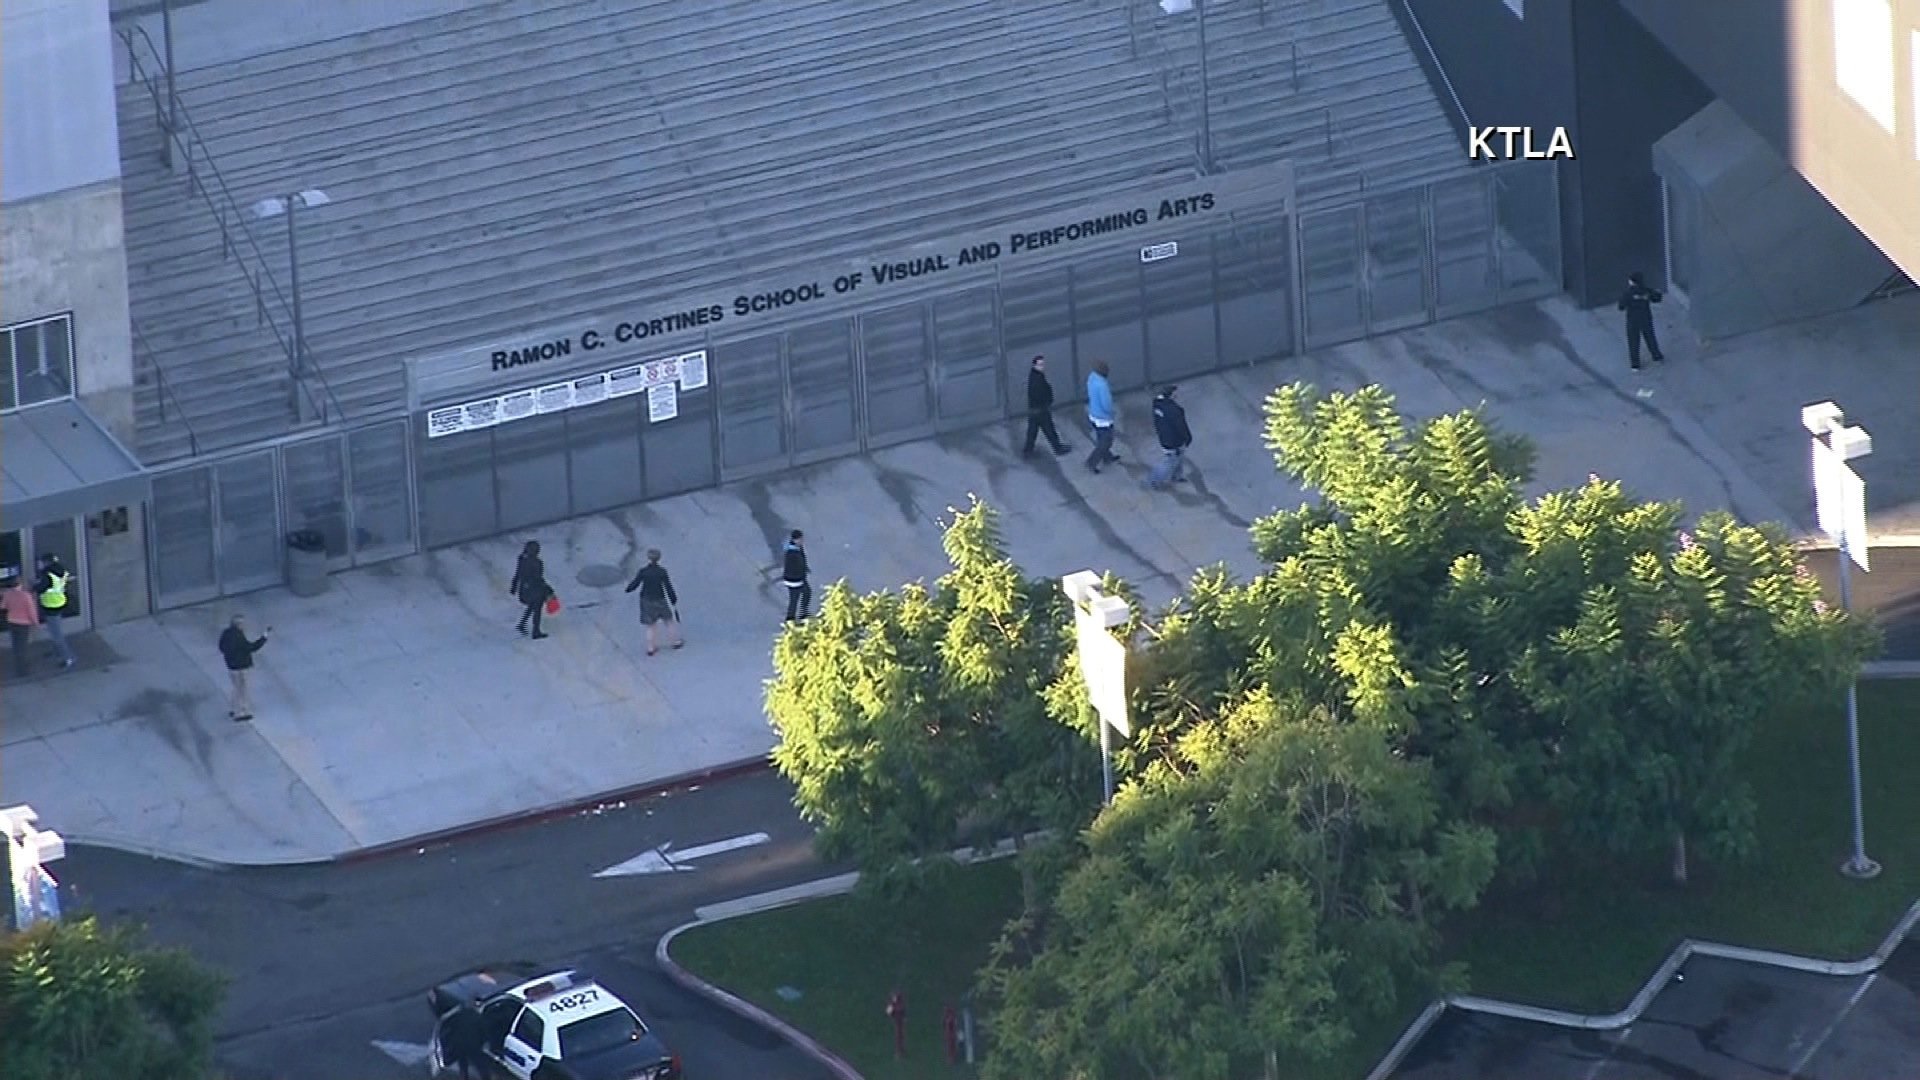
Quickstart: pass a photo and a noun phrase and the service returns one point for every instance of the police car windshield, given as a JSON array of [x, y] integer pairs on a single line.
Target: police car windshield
[[594, 1034]]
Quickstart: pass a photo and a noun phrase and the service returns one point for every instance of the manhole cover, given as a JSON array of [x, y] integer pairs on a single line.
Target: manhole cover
[[599, 575]]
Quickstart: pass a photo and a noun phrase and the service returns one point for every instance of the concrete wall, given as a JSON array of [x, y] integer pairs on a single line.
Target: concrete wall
[[67, 252], [1775, 62], [62, 240], [56, 90], [1589, 68], [1762, 246]]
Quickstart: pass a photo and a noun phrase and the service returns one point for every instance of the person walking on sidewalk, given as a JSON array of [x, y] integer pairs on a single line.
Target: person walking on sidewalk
[[1638, 303], [658, 602], [53, 586], [23, 614], [793, 574], [1100, 416], [530, 587], [1040, 409], [1170, 424], [237, 649]]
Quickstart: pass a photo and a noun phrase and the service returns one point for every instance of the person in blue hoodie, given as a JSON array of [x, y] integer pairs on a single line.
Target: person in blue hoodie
[[1100, 417]]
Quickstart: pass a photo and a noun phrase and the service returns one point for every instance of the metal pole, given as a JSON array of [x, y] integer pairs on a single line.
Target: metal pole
[[1106, 763], [299, 324], [173, 96], [1206, 96], [1859, 866]]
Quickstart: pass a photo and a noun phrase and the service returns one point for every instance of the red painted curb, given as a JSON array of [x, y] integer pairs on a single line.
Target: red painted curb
[[728, 771]]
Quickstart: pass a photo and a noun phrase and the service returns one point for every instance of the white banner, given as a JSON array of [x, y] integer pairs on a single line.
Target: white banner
[[661, 380]]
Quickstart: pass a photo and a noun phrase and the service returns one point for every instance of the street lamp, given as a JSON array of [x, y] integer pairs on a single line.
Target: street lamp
[[36, 895], [1103, 661], [290, 205], [1199, 9], [1840, 505]]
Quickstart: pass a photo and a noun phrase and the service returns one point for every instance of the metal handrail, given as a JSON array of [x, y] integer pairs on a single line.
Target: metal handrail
[[142, 345], [169, 104], [1466, 122]]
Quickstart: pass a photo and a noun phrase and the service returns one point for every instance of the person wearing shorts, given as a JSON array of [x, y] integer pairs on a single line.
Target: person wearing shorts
[[658, 602]]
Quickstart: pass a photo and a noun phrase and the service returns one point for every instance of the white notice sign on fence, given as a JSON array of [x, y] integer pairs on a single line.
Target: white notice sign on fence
[[663, 402]]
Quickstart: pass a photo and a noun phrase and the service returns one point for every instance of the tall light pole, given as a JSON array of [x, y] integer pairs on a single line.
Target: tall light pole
[[1199, 9], [290, 206], [1840, 504], [1103, 661]]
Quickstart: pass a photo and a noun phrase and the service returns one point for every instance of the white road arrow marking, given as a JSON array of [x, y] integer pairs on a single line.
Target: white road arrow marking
[[409, 1054], [663, 860]]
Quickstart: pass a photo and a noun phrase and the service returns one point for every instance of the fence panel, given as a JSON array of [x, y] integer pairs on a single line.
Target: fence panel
[[820, 387], [252, 542], [313, 476], [1331, 266], [180, 538], [382, 492], [1465, 264], [1182, 316], [1255, 294], [898, 377], [1397, 257], [1036, 319], [967, 357]]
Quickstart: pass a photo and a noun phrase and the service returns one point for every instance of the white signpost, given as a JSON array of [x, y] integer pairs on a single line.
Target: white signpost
[[1103, 661], [36, 895], [1840, 507]]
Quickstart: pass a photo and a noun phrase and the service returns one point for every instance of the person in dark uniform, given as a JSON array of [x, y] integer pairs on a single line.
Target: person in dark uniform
[[658, 602], [1040, 409], [461, 1035], [1638, 303], [1170, 425], [530, 587], [793, 574]]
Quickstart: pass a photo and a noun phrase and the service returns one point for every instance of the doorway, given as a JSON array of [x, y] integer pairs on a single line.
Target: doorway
[[20, 552]]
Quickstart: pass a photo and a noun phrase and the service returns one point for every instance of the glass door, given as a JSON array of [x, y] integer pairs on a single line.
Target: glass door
[[20, 554]]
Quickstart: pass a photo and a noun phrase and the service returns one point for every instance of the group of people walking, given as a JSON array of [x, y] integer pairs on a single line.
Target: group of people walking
[[44, 607], [1169, 423], [659, 600]]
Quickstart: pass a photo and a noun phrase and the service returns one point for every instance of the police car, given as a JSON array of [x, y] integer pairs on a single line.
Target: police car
[[559, 1026]]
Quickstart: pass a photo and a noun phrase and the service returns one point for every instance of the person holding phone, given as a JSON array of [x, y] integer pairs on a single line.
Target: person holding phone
[[237, 649]]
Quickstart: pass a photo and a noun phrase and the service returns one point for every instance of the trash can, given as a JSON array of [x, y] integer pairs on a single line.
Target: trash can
[[306, 562]]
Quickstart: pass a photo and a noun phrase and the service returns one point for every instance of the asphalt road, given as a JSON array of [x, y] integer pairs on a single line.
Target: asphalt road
[[1720, 1020], [1891, 591], [327, 963]]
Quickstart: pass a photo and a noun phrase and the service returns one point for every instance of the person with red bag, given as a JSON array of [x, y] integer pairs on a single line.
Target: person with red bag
[[530, 587]]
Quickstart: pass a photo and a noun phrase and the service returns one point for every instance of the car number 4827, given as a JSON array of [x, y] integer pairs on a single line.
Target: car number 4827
[[573, 1001]]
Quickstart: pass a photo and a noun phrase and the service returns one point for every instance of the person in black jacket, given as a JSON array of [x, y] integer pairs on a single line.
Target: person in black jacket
[[237, 649], [1170, 425], [530, 587], [658, 602], [793, 574], [1638, 303], [1040, 409], [461, 1037]]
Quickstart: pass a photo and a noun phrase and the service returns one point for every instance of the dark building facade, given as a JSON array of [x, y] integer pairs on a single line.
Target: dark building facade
[[1724, 146]]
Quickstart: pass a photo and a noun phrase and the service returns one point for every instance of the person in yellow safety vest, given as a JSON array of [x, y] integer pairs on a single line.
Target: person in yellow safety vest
[[53, 585]]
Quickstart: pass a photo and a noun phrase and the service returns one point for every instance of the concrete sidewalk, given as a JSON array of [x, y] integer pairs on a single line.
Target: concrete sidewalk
[[402, 703]]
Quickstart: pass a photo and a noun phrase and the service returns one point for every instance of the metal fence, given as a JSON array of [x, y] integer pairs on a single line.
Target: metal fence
[[1255, 287], [219, 526]]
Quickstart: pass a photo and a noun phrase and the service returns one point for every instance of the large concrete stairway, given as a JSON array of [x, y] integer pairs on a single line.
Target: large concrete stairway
[[526, 163], [1331, 85]]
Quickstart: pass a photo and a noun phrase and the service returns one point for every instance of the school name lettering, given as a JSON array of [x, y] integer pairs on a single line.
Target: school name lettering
[[879, 273]]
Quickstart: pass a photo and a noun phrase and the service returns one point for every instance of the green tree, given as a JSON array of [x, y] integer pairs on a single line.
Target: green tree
[[1242, 902], [1663, 678], [79, 1001], [912, 722]]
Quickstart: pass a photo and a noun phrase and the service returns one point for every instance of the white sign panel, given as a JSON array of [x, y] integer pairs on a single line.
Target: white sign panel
[[660, 379], [1160, 251], [663, 402], [693, 371], [1840, 502], [591, 389]]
